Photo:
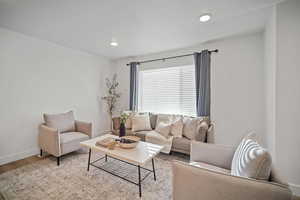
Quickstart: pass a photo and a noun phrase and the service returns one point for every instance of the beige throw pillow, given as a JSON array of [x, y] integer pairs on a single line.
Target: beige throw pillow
[[64, 122], [202, 129], [165, 118], [190, 127], [141, 123], [163, 129], [177, 127], [251, 160]]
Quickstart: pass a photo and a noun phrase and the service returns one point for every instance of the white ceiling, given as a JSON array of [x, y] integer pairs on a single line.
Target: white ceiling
[[140, 26]]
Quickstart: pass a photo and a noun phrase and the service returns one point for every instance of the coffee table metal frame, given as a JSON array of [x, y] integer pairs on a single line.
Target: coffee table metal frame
[[140, 179]]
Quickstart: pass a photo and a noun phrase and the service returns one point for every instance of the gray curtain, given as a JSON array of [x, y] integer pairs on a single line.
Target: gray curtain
[[202, 75], [133, 94]]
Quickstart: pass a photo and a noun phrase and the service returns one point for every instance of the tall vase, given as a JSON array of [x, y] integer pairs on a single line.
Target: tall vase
[[122, 130]]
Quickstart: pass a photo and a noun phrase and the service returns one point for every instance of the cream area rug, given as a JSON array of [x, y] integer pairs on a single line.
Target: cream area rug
[[71, 180]]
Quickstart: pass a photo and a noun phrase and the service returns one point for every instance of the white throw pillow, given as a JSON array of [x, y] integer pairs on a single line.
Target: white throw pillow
[[141, 123], [251, 160], [177, 127], [163, 129]]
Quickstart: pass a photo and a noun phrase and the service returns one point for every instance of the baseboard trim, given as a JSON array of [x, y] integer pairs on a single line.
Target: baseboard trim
[[18, 156], [295, 189]]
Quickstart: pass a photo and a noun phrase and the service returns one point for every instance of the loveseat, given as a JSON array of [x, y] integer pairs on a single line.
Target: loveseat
[[179, 144], [208, 176]]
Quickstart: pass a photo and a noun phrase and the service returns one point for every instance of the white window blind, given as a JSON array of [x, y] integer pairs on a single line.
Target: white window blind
[[168, 90]]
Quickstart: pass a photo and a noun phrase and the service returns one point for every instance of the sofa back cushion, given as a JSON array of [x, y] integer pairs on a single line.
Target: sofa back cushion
[[250, 160], [153, 119], [64, 122]]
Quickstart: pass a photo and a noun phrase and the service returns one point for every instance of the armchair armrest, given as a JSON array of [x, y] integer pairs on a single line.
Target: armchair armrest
[[214, 154], [191, 182], [84, 127], [49, 140]]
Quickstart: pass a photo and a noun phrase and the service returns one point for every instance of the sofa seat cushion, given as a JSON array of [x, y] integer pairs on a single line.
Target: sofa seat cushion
[[70, 141], [210, 167], [181, 144], [141, 134]]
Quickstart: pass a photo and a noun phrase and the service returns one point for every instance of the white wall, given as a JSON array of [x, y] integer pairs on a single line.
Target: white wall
[[237, 84], [39, 77], [270, 84], [288, 91]]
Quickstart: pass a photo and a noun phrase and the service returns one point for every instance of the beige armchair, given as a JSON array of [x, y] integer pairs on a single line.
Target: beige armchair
[[61, 134], [208, 177]]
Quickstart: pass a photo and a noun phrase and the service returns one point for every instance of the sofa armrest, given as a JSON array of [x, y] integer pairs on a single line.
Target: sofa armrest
[[84, 127], [210, 136], [116, 121], [214, 154], [49, 140], [191, 183]]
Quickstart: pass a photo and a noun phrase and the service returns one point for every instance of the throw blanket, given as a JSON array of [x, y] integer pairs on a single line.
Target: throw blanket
[[156, 138]]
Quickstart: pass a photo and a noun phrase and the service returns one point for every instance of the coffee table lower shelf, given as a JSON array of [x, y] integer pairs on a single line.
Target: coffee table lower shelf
[[140, 179]]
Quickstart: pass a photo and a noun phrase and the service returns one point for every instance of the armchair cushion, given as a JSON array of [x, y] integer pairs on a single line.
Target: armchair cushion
[[64, 122], [70, 141]]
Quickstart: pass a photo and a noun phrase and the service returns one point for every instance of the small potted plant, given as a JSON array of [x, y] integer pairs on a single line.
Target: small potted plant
[[123, 119]]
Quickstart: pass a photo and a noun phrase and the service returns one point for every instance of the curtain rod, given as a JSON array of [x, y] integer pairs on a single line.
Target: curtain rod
[[163, 59]]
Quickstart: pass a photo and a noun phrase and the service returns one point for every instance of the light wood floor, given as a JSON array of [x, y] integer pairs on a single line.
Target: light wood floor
[[19, 163], [32, 159]]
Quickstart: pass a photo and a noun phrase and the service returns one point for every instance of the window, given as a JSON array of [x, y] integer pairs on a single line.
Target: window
[[168, 90]]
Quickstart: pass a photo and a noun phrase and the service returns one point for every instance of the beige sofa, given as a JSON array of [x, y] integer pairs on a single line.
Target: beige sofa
[[208, 177], [181, 145], [63, 134]]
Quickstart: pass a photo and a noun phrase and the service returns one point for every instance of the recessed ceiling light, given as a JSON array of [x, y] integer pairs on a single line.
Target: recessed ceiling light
[[114, 42], [205, 17]]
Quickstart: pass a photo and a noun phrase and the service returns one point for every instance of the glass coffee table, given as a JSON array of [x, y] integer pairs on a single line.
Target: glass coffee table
[[138, 157]]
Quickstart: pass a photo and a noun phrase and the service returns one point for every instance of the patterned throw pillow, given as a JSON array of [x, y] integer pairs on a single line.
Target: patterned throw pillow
[[251, 160]]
